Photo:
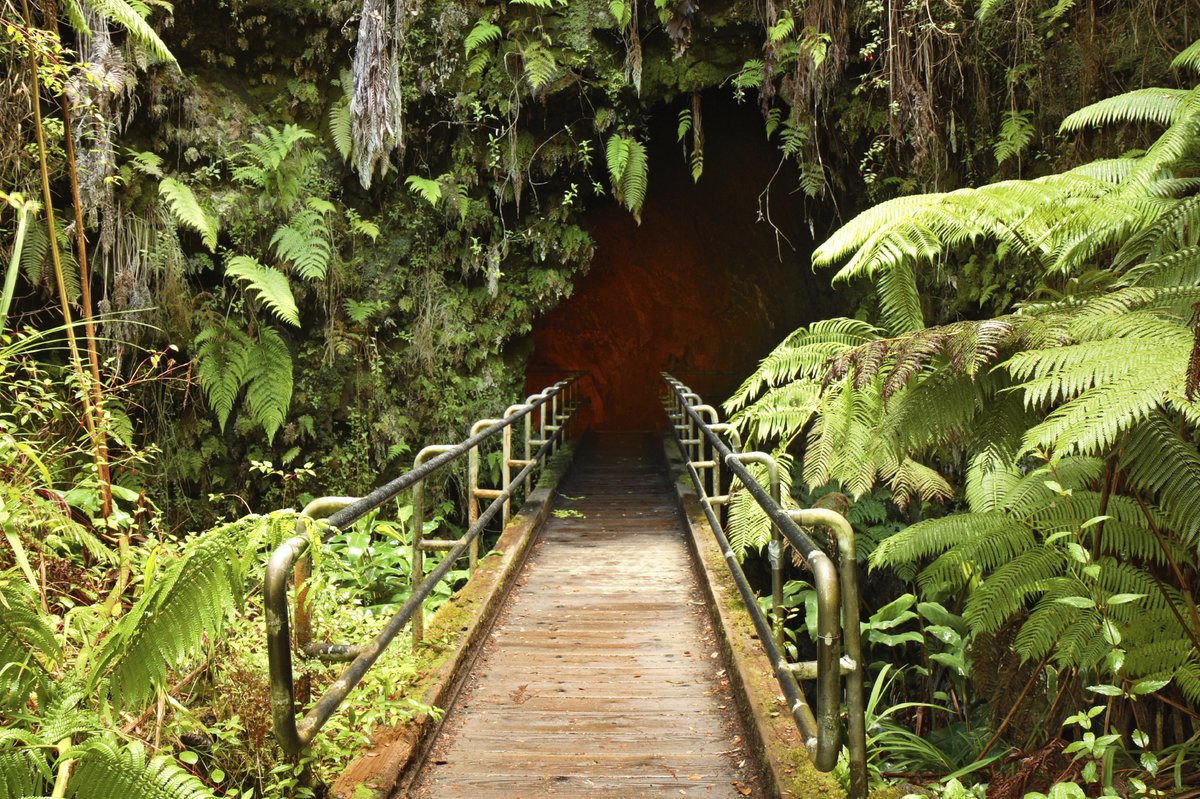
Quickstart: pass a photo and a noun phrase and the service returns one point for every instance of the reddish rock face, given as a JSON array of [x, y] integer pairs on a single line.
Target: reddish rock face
[[702, 289]]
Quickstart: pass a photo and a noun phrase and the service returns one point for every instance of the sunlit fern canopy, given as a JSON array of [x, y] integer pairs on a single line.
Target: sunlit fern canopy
[[1069, 424]]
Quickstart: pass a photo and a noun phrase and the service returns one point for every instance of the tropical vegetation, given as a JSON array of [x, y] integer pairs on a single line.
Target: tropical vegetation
[[257, 251]]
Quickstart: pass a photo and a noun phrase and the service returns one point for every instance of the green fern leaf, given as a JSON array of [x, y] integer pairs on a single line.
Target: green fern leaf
[[304, 243], [428, 190], [1162, 106], [1016, 132], [185, 606], [628, 171], [23, 773], [340, 127], [484, 32], [27, 641], [269, 381], [186, 209], [123, 15], [1159, 461], [270, 284], [108, 770], [1189, 58], [222, 364]]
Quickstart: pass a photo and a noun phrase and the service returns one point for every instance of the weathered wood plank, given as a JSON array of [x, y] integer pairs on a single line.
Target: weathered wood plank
[[600, 678]]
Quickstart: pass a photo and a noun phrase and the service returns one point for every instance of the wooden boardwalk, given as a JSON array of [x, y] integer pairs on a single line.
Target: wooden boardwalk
[[601, 677]]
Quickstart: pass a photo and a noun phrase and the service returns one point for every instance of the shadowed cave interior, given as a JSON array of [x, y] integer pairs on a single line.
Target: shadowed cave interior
[[703, 288]]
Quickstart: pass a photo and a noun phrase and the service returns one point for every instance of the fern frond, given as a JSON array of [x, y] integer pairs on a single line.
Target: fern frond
[[1004, 592], [339, 127], [223, 359], [1159, 461], [108, 770], [1176, 228], [187, 211], [628, 171], [540, 66], [24, 631], [935, 536], [427, 189], [304, 243], [899, 300], [1189, 58], [23, 773], [803, 353], [1140, 105], [124, 16], [269, 381], [854, 234], [483, 32], [184, 606], [1016, 132], [1108, 170], [270, 284]]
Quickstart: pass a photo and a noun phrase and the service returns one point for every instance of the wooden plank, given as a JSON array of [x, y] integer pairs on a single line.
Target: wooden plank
[[600, 677]]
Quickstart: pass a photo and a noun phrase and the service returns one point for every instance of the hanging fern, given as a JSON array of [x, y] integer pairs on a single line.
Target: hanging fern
[[269, 381], [304, 243], [124, 15], [1016, 132], [628, 172], [271, 285], [339, 127], [222, 362], [187, 211]]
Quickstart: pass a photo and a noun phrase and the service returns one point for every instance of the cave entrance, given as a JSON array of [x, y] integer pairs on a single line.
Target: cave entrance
[[703, 288]]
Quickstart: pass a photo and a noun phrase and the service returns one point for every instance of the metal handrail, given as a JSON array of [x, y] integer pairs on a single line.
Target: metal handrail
[[294, 555], [839, 645]]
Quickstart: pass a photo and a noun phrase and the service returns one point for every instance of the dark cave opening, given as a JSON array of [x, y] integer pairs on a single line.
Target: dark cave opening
[[704, 288]]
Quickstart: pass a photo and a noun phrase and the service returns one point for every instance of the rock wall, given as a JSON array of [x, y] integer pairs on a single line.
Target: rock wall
[[703, 288]]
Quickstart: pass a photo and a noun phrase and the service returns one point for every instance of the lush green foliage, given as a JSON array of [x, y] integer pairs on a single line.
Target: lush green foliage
[[1069, 422]]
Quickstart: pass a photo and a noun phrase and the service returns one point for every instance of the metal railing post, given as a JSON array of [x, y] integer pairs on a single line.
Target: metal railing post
[[294, 735], [775, 547], [856, 732], [836, 586], [418, 536]]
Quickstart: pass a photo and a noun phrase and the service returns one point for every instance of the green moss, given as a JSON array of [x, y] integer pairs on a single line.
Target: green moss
[[806, 781]]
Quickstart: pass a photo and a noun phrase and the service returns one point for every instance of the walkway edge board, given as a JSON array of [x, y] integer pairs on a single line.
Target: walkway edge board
[[786, 771], [453, 639]]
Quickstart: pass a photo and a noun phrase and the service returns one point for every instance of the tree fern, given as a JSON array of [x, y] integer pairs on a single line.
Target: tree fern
[[1161, 463], [1189, 58], [1161, 106], [628, 171], [187, 211], [222, 362], [107, 769], [271, 285], [269, 381], [183, 607]]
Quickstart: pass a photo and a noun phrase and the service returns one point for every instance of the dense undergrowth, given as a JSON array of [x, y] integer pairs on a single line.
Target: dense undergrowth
[[256, 251]]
